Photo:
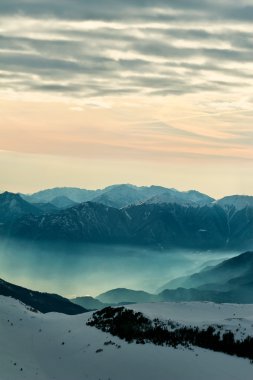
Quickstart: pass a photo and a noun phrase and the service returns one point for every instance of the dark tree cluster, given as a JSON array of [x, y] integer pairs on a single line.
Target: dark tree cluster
[[135, 327]]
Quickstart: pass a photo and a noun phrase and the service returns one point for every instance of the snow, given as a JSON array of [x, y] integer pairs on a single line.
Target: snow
[[34, 342], [195, 312], [237, 201], [229, 317]]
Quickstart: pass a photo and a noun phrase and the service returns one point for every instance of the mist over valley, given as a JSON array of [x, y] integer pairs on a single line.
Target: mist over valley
[[90, 269]]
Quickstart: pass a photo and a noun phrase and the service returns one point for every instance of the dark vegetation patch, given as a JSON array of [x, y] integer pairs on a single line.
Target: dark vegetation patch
[[135, 327]]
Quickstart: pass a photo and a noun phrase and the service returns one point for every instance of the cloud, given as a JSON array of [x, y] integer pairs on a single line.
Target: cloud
[[111, 9], [100, 49], [87, 52]]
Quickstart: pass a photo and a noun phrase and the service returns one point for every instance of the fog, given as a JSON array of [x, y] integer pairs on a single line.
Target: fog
[[76, 270]]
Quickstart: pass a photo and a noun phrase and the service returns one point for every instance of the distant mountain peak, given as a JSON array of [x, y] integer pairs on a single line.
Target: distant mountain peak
[[62, 201], [190, 197], [117, 195], [12, 206], [237, 201], [9, 195]]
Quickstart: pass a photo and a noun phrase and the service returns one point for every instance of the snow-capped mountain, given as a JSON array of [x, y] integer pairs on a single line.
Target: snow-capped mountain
[[124, 195], [119, 196], [236, 201], [73, 193], [187, 198]]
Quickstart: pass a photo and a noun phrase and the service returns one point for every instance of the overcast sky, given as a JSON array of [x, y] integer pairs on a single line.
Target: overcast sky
[[148, 92]]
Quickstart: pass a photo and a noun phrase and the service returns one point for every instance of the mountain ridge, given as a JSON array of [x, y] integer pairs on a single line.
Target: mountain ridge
[[43, 302], [119, 195], [164, 225]]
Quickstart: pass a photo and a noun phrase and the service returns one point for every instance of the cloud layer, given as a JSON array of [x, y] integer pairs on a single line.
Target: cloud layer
[[113, 47]]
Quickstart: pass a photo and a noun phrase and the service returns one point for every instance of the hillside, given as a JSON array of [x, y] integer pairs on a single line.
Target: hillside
[[121, 295], [43, 302], [62, 347]]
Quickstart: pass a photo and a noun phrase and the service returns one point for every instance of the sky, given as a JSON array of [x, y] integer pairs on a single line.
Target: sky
[[94, 93]]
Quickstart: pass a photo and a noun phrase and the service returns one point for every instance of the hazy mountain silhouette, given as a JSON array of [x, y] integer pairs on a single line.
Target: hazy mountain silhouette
[[43, 302]]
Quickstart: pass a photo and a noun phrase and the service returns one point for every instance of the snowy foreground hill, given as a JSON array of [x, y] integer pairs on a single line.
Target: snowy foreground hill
[[59, 347]]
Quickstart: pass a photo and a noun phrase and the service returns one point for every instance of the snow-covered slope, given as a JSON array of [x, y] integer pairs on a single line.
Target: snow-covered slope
[[121, 195], [229, 317], [59, 347], [184, 198], [237, 201]]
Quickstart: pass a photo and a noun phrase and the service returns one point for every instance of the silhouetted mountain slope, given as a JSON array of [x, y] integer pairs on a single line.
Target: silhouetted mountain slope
[[46, 207], [176, 225], [91, 303], [62, 202], [121, 295], [230, 281], [240, 226], [124, 296], [12, 206], [89, 222], [88, 302], [44, 302], [239, 295], [231, 273]]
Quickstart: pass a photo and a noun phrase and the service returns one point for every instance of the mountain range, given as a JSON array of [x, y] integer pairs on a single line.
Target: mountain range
[[117, 196], [55, 346], [168, 219]]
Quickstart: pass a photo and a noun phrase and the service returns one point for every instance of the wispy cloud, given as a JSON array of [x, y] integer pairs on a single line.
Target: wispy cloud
[[81, 48]]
